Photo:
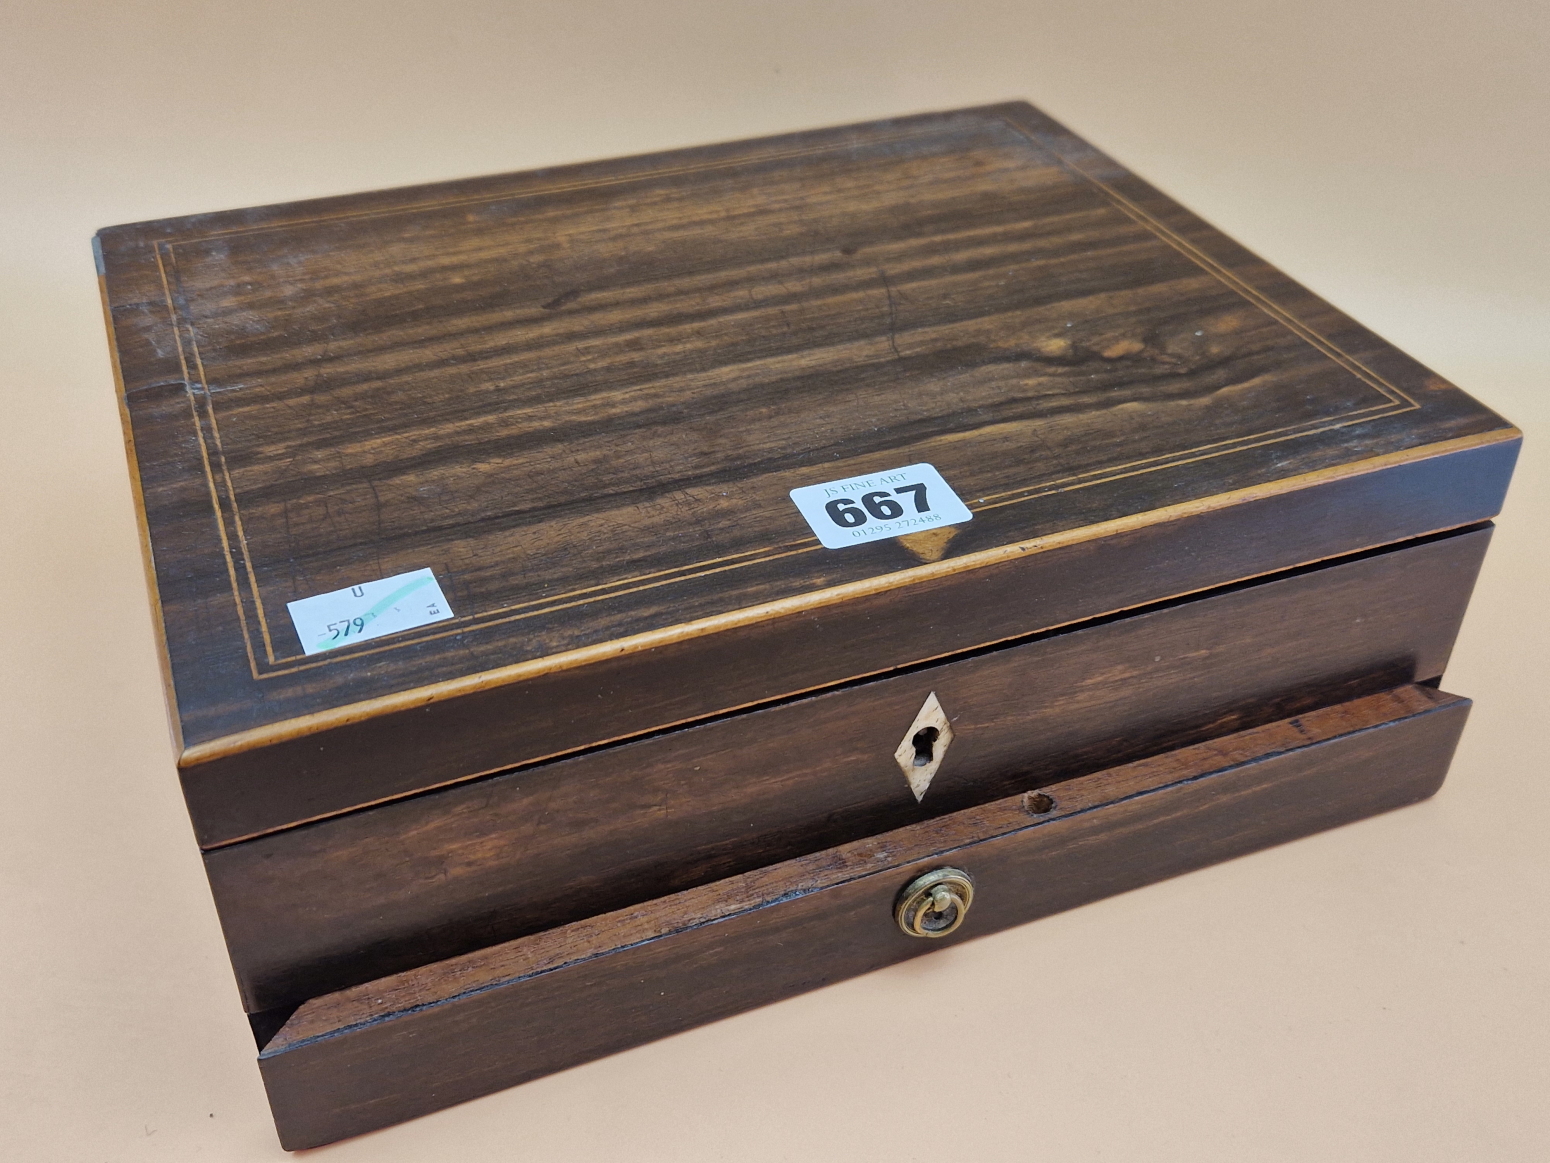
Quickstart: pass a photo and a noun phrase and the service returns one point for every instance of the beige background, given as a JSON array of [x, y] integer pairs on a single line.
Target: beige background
[[1377, 993]]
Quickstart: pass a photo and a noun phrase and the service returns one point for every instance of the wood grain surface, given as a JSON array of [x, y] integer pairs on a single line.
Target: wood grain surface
[[580, 395], [332, 904], [406, 1045]]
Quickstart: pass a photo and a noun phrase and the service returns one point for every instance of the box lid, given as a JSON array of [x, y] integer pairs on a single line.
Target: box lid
[[581, 398]]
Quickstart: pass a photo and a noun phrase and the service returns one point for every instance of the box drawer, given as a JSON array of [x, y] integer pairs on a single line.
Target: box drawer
[[345, 900], [437, 1035]]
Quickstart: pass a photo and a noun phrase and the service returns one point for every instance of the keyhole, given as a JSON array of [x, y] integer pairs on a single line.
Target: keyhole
[[925, 743]]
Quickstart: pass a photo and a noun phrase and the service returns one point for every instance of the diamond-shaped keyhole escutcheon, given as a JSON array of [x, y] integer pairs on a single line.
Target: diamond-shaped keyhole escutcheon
[[925, 743]]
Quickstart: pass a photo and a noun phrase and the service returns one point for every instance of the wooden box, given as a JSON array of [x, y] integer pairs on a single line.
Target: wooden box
[[590, 597]]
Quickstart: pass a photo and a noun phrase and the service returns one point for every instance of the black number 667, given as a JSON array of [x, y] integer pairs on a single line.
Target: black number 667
[[845, 513]]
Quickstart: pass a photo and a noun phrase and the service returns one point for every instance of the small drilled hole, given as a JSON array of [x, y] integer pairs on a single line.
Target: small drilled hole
[[924, 743], [1037, 802]]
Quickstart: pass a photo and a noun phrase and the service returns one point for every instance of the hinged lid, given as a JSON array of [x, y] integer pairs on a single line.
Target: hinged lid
[[580, 398]]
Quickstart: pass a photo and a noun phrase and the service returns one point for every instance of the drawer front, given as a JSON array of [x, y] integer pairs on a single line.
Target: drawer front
[[344, 900], [425, 1039]]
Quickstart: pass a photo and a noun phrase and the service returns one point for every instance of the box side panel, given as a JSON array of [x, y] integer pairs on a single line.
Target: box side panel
[[328, 905]]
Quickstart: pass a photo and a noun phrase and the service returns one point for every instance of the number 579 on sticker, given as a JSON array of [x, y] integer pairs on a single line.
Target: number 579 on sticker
[[859, 509]]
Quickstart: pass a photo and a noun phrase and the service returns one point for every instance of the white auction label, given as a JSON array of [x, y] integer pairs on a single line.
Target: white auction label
[[883, 504], [369, 610]]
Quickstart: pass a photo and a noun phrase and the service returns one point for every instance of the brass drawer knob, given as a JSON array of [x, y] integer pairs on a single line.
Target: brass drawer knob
[[935, 904]]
